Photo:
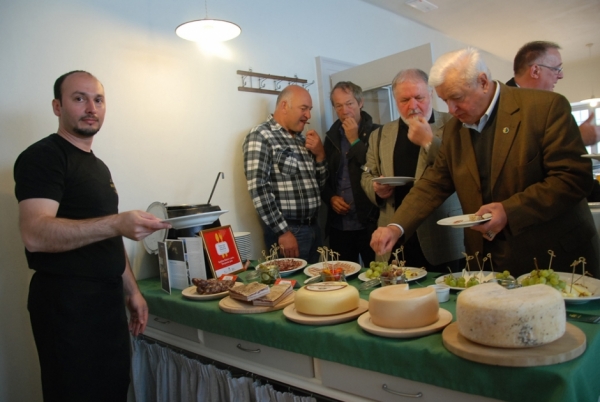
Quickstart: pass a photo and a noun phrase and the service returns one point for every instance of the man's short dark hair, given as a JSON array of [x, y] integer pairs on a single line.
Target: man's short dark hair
[[529, 53], [59, 81], [348, 86]]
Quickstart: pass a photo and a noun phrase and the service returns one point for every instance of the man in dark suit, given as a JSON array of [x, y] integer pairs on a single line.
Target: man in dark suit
[[538, 65], [351, 217], [514, 154]]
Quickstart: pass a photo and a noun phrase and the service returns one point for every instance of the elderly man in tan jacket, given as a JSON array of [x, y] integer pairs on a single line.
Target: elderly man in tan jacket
[[407, 147]]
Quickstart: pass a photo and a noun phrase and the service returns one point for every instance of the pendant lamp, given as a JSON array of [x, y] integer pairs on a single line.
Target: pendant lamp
[[593, 101], [208, 30]]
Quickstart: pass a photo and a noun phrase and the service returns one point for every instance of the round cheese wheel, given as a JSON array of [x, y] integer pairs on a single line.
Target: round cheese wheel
[[326, 298], [492, 315], [399, 307]]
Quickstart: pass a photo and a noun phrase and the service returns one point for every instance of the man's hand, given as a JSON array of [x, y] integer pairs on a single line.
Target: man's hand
[[383, 191], [384, 239], [350, 129], [339, 206], [289, 244], [589, 133], [495, 225], [136, 225], [314, 145], [419, 131], [138, 313]]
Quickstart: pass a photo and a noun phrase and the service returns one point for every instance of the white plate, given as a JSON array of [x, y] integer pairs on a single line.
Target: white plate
[[592, 284], [192, 293], [461, 221], [303, 263], [306, 319], [189, 221], [421, 273], [364, 321], [594, 205], [591, 156], [315, 269], [440, 279], [393, 181]]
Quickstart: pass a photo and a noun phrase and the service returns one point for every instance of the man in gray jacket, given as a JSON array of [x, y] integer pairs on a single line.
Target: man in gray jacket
[[407, 147]]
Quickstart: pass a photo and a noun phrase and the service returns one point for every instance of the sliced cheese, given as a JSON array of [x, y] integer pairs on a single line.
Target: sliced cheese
[[399, 307], [326, 298], [492, 315]]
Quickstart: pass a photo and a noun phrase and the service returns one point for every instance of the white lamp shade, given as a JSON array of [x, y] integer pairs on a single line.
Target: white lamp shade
[[208, 30]]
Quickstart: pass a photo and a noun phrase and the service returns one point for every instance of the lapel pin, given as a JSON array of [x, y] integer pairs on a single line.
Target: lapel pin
[[506, 130]]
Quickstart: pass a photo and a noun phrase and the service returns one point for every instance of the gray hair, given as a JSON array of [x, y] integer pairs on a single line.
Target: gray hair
[[410, 74], [467, 62], [348, 86]]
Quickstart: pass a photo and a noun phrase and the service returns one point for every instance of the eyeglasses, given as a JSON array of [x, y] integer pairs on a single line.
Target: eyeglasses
[[557, 70]]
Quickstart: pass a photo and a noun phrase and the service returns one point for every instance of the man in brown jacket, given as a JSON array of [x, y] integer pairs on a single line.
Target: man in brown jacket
[[514, 153]]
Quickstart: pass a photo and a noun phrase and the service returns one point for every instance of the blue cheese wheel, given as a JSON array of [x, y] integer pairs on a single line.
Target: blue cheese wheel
[[492, 315]]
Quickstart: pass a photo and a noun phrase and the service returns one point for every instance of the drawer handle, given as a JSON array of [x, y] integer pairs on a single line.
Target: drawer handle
[[161, 320], [240, 347], [386, 389]]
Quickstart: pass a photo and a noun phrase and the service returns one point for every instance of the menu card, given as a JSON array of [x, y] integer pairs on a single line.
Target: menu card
[[179, 261], [222, 251]]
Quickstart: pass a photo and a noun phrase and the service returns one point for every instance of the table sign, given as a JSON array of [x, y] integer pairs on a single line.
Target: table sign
[[163, 266], [223, 255]]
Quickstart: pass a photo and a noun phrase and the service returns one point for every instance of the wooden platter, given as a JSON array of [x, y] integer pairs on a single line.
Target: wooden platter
[[571, 345], [306, 319], [233, 306]]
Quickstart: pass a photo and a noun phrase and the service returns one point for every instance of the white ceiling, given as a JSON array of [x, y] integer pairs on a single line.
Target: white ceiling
[[501, 27]]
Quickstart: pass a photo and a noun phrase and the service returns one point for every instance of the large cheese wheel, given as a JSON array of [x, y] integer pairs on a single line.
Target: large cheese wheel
[[399, 307], [529, 316], [326, 298]]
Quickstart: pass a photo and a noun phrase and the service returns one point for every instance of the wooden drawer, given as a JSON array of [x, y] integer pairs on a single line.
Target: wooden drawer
[[278, 359], [370, 384], [173, 328]]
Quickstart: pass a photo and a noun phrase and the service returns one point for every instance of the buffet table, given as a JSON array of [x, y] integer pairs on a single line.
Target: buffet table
[[424, 359]]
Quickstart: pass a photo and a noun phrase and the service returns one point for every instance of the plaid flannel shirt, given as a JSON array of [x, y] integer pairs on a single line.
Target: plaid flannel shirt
[[283, 178]]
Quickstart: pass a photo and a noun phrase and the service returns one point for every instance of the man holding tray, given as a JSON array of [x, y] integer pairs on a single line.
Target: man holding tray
[[513, 153]]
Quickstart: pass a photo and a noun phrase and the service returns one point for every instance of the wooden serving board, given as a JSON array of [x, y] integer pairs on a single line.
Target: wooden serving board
[[233, 306], [571, 345]]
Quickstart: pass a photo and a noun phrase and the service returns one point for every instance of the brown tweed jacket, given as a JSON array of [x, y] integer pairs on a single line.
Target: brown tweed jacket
[[537, 174]]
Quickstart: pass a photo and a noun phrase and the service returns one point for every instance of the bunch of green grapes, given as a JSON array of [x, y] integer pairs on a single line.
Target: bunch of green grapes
[[546, 277], [503, 275], [460, 282], [375, 269]]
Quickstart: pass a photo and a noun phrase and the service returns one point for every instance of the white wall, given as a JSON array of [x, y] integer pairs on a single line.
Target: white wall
[[175, 117]]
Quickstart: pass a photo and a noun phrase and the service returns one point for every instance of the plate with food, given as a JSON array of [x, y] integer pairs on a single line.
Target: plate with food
[[394, 181], [464, 221], [463, 278], [577, 289], [350, 268], [211, 289], [412, 274], [287, 266], [594, 205]]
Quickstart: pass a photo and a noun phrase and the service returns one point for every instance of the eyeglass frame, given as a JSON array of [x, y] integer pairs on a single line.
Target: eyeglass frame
[[556, 70]]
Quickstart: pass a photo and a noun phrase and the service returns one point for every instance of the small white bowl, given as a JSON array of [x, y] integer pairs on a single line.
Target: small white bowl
[[442, 292]]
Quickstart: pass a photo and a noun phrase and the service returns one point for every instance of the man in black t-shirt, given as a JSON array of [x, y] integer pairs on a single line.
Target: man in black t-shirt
[[72, 231]]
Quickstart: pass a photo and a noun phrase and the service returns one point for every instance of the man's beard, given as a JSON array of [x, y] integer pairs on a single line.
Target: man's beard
[[89, 132]]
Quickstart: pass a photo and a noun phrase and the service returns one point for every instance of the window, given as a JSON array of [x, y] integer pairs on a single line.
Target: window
[[581, 111]]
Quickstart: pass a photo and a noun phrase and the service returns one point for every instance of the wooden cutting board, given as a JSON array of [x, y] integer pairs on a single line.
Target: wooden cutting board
[[233, 306], [571, 345]]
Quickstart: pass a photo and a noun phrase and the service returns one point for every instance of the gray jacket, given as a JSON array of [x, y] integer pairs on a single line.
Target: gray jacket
[[440, 244]]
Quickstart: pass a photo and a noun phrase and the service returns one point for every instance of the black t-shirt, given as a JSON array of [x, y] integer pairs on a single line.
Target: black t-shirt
[[53, 168]]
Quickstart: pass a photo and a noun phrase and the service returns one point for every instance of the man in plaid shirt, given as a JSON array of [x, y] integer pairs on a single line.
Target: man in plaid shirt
[[285, 171]]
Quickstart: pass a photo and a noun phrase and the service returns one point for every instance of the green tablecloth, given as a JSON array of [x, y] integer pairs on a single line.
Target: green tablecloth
[[423, 359]]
